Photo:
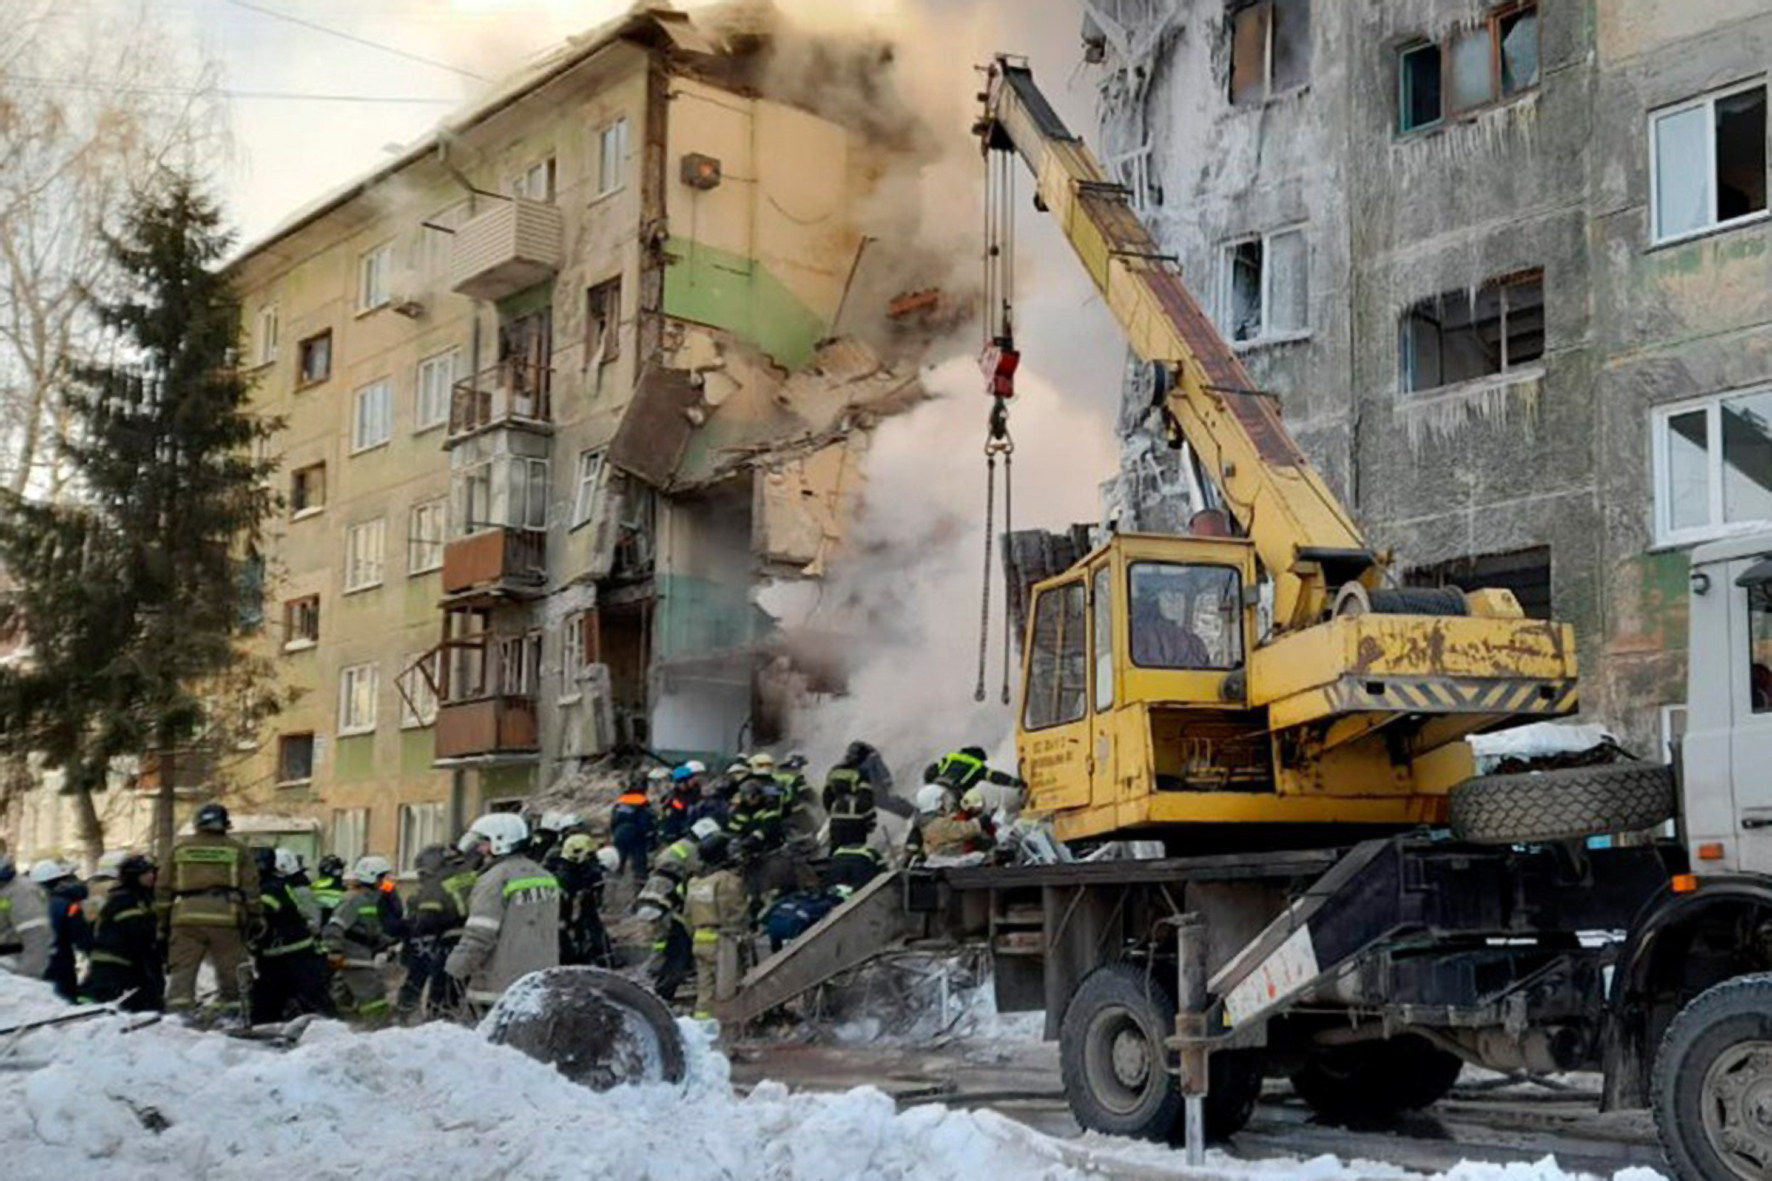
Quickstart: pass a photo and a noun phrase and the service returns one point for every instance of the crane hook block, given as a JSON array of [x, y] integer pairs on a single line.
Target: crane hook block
[[1000, 361]]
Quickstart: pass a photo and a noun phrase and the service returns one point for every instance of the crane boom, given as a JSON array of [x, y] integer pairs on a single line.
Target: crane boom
[[1305, 538]]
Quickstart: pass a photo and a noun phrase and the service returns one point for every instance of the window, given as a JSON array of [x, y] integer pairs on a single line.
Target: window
[[1759, 646], [578, 651], [364, 550], [421, 825], [1270, 49], [350, 834], [584, 496], [612, 156], [1266, 287], [372, 422], [357, 685], [1103, 615], [1186, 617], [1494, 60], [1525, 572], [314, 358], [307, 489], [418, 693], [436, 378], [529, 493], [519, 664], [1449, 339], [1059, 671], [1713, 467], [477, 498], [603, 322], [266, 337], [374, 272], [295, 758], [301, 622], [1709, 166], [535, 183], [424, 540]]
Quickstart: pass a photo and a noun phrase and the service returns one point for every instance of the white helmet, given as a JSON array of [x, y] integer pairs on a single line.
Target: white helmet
[[506, 832], [696, 767], [973, 800], [704, 828], [288, 862], [932, 799], [50, 870], [658, 774], [558, 821], [370, 870], [106, 870], [609, 857]]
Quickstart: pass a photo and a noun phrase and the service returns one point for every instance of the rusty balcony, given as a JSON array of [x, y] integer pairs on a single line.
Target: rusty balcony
[[511, 393], [487, 728], [513, 245], [500, 561]]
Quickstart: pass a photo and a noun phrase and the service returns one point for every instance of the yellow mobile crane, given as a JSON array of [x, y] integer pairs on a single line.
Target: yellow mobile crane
[[1155, 693]]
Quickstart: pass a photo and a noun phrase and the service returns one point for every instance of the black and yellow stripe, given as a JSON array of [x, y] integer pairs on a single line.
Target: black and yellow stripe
[[1444, 695]]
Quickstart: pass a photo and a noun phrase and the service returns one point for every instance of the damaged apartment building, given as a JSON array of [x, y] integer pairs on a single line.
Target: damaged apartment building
[[569, 415], [1506, 267]]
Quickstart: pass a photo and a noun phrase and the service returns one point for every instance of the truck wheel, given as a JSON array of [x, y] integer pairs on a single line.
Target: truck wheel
[[1371, 1080], [1559, 805], [1111, 1054], [1712, 1088]]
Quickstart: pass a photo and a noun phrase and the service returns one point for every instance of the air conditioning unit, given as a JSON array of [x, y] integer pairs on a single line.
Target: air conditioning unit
[[412, 309]]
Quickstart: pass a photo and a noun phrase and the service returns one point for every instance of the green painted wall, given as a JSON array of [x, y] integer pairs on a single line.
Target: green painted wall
[[415, 753], [724, 290], [497, 783], [353, 759]]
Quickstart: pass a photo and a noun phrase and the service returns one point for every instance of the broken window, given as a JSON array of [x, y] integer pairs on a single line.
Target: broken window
[[1710, 162], [602, 322], [314, 359], [1526, 572], [295, 758], [301, 622], [1713, 461], [1266, 290], [1476, 66], [612, 156], [584, 496], [1270, 49], [1058, 668], [535, 183], [1451, 338], [307, 489], [418, 691]]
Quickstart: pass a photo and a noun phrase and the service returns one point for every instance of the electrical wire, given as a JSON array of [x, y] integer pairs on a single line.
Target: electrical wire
[[352, 37], [221, 92]]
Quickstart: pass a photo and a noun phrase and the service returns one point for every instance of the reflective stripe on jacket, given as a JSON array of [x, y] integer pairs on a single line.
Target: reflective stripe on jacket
[[212, 882], [512, 928]]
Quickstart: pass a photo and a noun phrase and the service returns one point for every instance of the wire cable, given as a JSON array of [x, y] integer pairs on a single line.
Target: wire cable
[[352, 37]]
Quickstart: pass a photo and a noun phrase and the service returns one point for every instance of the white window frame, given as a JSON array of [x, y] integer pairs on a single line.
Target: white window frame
[[375, 278], [365, 570], [1712, 405], [293, 641], [520, 506], [361, 438], [357, 821], [421, 710], [416, 833], [267, 334], [607, 184], [1227, 280], [572, 648], [424, 551], [358, 681], [1708, 101], [430, 415], [549, 178], [586, 486]]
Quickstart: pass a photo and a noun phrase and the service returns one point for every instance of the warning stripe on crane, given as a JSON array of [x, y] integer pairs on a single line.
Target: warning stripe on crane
[[1522, 695]]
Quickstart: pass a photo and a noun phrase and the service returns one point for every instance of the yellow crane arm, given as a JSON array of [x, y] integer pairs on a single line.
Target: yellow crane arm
[[1303, 535]]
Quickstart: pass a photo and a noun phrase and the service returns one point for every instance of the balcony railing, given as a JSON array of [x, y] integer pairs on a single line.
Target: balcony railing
[[512, 245], [514, 560], [511, 393], [487, 727]]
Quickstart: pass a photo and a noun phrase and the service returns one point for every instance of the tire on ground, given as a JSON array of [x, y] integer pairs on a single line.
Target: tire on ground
[[1125, 1004], [1563, 804], [1727, 1029], [597, 1028], [1371, 1080]]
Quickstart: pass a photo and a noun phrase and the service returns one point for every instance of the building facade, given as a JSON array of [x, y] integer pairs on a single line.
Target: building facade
[[1506, 268], [566, 419]]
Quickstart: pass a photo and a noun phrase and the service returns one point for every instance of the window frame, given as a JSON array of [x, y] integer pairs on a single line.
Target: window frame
[[351, 676], [434, 545], [1707, 101], [573, 652], [1499, 96], [1272, 24], [302, 347], [420, 423], [1227, 285], [284, 742], [1507, 373], [584, 504], [619, 126], [1241, 659], [409, 843], [356, 578], [1079, 584], [356, 818], [359, 444], [376, 263], [549, 167], [1666, 536], [608, 346], [315, 508], [265, 342], [295, 640], [416, 689]]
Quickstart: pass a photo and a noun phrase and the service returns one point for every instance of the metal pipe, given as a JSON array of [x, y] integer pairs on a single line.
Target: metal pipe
[[1190, 1029]]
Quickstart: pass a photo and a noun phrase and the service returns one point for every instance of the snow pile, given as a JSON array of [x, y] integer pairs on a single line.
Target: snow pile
[[1538, 740], [162, 1101]]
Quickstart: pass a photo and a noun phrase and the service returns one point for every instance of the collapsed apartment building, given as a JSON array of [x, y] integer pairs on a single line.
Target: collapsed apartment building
[[569, 414], [1506, 268]]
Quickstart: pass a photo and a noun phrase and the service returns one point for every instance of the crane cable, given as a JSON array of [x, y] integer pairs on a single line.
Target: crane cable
[[999, 362]]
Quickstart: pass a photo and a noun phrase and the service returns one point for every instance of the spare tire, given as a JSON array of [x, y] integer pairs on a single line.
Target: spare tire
[[598, 1029], [1562, 805]]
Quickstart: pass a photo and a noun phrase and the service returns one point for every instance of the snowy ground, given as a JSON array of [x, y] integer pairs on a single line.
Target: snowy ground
[[162, 1101]]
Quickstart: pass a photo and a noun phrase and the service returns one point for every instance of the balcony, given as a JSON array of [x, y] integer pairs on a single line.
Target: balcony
[[513, 245], [511, 393], [487, 729], [499, 561]]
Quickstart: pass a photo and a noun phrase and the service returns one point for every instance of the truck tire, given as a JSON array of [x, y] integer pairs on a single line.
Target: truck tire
[[1372, 1080], [1564, 804], [1111, 1055], [1712, 1083], [598, 1029]]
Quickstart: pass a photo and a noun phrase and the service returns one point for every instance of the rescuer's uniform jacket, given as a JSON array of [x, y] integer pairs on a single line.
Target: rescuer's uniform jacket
[[717, 911], [24, 927], [512, 928], [125, 956]]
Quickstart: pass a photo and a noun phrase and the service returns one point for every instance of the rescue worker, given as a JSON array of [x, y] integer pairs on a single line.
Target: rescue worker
[[755, 822], [289, 976], [932, 802], [964, 769], [716, 797], [848, 796], [294, 873], [329, 885], [853, 866], [68, 929], [209, 906], [104, 877], [439, 908], [583, 939], [675, 813], [513, 923], [550, 830], [125, 961], [631, 828], [358, 937], [24, 923], [717, 912], [661, 901], [962, 833]]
